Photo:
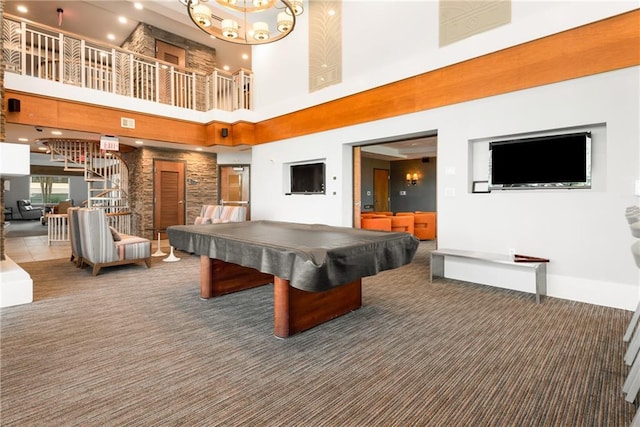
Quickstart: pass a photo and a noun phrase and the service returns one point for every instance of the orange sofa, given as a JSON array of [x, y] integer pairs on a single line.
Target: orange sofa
[[402, 223], [381, 223], [424, 224], [420, 224]]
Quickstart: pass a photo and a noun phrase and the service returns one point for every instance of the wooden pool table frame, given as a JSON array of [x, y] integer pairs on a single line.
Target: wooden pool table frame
[[295, 310]]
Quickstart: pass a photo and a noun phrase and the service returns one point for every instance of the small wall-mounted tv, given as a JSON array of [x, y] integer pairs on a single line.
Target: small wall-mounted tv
[[555, 161], [308, 178]]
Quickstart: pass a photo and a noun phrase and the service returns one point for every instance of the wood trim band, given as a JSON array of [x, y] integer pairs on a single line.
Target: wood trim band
[[607, 45], [58, 113]]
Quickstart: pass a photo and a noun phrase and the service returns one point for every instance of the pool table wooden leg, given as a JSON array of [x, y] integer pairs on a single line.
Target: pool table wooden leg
[[219, 277], [296, 310]]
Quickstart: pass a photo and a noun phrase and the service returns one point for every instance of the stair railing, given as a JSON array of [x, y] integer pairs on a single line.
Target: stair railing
[[106, 174]]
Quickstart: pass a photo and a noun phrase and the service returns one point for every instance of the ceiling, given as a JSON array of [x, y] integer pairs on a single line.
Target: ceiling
[[415, 148], [95, 19]]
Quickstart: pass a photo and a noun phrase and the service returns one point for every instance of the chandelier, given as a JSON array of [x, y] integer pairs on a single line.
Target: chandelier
[[246, 22]]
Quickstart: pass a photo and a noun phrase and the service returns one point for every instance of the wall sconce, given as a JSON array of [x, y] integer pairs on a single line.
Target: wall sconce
[[412, 179]]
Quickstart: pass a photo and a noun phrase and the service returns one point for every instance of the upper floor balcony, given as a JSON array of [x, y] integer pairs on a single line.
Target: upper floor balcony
[[35, 50]]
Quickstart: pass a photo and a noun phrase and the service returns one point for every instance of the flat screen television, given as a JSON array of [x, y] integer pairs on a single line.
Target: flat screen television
[[307, 178], [555, 161]]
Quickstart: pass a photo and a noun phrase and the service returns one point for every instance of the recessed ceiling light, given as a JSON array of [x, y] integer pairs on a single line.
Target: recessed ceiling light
[[42, 148], [111, 37], [198, 149], [139, 142], [22, 9], [122, 20], [56, 132], [23, 139], [245, 56], [226, 68], [138, 5]]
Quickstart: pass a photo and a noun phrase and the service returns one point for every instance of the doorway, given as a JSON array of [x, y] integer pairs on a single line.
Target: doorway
[[383, 164], [177, 56], [168, 194], [233, 186], [380, 190]]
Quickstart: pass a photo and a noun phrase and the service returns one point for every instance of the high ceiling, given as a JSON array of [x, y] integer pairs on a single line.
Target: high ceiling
[[95, 20]]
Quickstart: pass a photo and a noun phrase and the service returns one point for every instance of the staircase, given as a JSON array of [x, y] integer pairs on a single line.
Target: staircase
[[106, 174]]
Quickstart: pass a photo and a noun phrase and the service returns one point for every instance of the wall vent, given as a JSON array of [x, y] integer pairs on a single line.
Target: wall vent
[[128, 123]]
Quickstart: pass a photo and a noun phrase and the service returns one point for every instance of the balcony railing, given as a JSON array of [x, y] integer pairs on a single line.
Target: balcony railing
[[39, 51]]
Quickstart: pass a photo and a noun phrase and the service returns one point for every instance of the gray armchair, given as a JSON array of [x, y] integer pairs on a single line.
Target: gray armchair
[[102, 246], [27, 211]]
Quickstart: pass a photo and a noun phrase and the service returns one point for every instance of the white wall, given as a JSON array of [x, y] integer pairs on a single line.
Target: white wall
[[583, 232], [378, 49], [374, 53], [268, 180]]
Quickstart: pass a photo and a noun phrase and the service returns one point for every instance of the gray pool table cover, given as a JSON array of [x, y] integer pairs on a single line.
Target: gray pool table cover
[[313, 257]]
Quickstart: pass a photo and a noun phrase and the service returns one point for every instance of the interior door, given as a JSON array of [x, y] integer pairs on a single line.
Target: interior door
[[234, 186], [177, 56], [169, 194], [381, 190], [357, 186]]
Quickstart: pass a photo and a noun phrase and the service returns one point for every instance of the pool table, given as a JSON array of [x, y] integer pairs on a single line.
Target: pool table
[[316, 269]]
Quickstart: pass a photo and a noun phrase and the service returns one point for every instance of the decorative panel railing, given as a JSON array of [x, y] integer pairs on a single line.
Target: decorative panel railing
[[39, 51]]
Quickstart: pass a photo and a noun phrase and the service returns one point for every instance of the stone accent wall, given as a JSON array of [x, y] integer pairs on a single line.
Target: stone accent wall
[[143, 41], [138, 41], [201, 187], [198, 57]]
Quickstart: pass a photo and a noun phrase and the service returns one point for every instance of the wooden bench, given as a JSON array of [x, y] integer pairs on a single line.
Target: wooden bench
[[540, 268]]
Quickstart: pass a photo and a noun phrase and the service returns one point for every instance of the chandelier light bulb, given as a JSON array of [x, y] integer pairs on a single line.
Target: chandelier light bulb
[[285, 22], [261, 31], [261, 3], [298, 7], [202, 15], [229, 28], [247, 22]]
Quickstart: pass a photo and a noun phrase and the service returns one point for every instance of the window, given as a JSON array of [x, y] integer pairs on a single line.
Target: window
[[48, 189]]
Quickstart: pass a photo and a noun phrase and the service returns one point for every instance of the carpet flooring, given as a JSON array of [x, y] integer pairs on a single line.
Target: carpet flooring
[[137, 347]]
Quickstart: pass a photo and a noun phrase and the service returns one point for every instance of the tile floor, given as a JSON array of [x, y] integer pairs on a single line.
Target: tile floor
[[35, 248]]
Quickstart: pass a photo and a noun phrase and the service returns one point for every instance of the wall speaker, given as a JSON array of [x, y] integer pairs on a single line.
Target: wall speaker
[[14, 105], [224, 132]]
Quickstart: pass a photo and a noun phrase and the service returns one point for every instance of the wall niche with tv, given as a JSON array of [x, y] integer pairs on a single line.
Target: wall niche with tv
[[306, 178], [550, 160]]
